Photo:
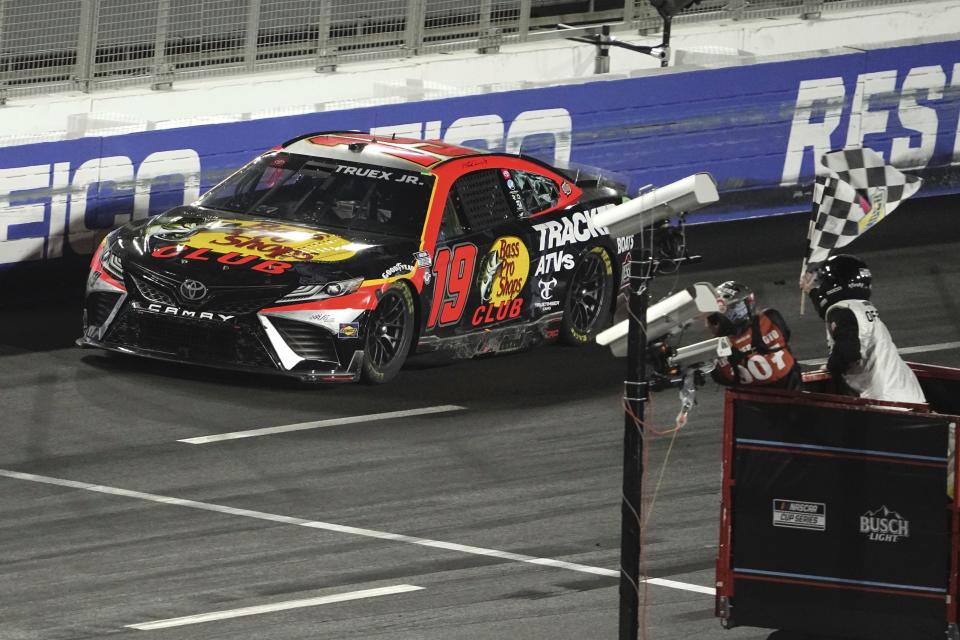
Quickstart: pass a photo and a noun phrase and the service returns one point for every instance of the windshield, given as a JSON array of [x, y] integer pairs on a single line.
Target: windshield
[[326, 192]]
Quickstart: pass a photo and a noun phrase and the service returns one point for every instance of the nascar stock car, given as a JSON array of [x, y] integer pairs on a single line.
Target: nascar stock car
[[336, 255]]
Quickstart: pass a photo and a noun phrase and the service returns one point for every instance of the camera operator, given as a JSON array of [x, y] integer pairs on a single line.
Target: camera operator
[[759, 342]]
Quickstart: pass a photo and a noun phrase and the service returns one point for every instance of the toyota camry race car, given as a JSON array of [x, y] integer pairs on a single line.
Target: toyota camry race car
[[336, 255]]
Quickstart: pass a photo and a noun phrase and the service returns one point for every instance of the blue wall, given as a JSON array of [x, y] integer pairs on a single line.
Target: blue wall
[[756, 128]]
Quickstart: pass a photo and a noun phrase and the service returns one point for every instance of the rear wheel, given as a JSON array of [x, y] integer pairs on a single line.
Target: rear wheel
[[389, 335], [589, 298]]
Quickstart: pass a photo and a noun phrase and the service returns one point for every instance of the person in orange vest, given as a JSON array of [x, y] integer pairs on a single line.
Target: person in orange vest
[[759, 342]]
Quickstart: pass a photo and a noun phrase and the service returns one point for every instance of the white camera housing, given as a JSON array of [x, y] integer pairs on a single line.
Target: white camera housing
[[631, 217], [670, 315], [698, 353]]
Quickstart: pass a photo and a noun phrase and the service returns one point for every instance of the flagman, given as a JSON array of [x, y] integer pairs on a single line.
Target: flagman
[[859, 192], [862, 353]]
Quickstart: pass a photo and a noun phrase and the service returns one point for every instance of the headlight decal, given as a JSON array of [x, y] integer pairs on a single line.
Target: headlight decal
[[310, 292]]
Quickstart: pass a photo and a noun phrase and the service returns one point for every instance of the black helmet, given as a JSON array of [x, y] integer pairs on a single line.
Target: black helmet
[[841, 277], [736, 302]]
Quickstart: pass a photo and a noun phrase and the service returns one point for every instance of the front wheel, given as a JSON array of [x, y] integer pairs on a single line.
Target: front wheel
[[589, 298], [390, 330]]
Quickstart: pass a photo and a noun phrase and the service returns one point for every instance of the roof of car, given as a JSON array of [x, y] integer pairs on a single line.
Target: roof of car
[[387, 151]]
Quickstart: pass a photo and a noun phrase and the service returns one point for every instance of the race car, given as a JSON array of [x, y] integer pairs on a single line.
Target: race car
[[336, 255]]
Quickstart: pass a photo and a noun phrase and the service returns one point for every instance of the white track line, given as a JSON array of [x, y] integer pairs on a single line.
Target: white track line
[[269, 608], [683, 586], [923, 348], [338, 528], [320, 424]]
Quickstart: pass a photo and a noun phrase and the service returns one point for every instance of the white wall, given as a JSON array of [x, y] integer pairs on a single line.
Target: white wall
[[227, 99]]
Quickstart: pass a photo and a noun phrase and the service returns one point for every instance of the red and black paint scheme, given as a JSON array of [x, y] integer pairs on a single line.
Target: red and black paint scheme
[[335, 256]]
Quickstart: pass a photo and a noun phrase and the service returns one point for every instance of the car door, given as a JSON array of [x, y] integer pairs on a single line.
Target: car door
[[482, 264]]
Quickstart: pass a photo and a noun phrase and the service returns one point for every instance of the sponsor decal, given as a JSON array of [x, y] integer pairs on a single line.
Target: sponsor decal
[[546, 288], [231, 259], [505, 173], [554, 262], [573, 228], [511, 184], [503, 274], [490, 313], [504, 270], [422, 258], [798, 514], [349, 330], [546, 302], [570, 229], [398, 268], [182, 313], [884, 525], [565, 188], [546, 306], [271, 241], [324, 318], [517, 201], [553, 333]]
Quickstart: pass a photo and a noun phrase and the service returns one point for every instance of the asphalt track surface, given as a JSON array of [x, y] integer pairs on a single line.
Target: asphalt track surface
[[107, 520]]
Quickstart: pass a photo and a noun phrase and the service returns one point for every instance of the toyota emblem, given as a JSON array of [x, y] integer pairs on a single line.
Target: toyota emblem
[[193, 290]]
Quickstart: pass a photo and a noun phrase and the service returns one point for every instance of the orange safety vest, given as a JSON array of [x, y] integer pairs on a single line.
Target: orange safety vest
[[763, 361]]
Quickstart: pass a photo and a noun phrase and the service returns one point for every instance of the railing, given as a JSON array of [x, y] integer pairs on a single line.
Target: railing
[[57, 45]]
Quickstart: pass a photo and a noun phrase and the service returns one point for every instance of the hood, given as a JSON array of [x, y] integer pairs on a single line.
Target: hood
[[235, 249]]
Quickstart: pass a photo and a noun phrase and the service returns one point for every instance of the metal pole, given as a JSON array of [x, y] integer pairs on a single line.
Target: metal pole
[[413, 36], [253, 30], [162, 72], [524, 26], [86, 44], [665, 60], [635, 394], [486, 8], [326, 54], [4, 71], [601, 63]]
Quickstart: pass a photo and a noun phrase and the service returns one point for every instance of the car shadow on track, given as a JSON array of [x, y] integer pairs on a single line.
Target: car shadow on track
[[540, 376]]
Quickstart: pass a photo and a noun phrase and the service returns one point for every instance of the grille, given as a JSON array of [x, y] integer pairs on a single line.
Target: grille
[[208, 342], [99, 306], [239, 301], [308, 341], [152, 292], [164, 289]]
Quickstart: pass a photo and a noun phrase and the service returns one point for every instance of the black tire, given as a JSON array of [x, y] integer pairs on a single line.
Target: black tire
[[389, 335], [589, 300]]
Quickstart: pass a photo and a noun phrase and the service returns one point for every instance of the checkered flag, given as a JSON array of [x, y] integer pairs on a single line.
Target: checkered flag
[[860, 191]]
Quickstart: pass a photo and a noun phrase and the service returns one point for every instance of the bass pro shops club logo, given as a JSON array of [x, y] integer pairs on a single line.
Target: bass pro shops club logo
[[884, 525]]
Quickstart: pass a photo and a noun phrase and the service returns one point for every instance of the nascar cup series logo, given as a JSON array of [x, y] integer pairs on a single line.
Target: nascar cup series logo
[[884, 525], [503, 273]]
